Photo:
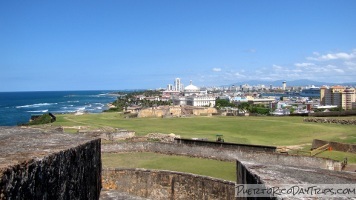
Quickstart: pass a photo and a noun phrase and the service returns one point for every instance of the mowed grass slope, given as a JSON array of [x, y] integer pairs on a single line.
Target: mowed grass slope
[[206, 167], [279, 131]]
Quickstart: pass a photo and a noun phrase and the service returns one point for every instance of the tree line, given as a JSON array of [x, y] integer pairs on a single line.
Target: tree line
[[130, 99], [243, 106]]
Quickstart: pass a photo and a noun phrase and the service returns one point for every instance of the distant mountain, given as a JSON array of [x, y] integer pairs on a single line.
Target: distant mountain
[[300, 82]]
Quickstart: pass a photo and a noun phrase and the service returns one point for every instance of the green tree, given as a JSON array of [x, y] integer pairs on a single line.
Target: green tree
[[244, 107], [220, 103]]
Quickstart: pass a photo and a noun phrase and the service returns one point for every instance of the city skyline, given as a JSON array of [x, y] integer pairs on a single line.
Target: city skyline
[[66, 45]]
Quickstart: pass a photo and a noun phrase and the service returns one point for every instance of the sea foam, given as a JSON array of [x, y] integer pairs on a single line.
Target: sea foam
[[36, 105], [38, 111]]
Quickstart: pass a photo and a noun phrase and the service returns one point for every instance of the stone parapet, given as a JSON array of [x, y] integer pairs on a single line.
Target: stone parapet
[[273, 176], [163, 184], [48, 165]]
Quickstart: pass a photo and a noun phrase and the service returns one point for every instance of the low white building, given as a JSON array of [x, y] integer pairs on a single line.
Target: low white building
[[193, 96], [201, 101]]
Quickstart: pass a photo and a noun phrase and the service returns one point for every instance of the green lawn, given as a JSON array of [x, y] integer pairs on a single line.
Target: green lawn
[[213, 168], [337, 155], [276, 131], [279, 131]]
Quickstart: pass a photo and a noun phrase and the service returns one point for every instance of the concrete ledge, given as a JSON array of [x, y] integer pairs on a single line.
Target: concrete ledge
[[163, 184], [48, 165]]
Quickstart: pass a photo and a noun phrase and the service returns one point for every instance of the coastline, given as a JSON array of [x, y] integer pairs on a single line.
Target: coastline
[[18, 107]]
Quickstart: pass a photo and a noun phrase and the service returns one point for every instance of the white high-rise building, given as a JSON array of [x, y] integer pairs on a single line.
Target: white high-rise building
[[284, 85], [177, 85], [169, 87]]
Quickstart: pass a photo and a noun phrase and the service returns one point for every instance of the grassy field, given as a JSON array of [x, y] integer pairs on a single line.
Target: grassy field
[[337, 155], [279, 131], [213, 168]]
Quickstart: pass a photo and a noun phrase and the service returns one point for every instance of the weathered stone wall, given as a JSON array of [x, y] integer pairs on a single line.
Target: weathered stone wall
[[40, 165], [221, 154], [333, 113], [176, 111], [245, 176], [108, 135], [119, 135], [337, 146], [161, 184], [152, 112], [226, 145], [272, 176], [331, 121], [204, 111]]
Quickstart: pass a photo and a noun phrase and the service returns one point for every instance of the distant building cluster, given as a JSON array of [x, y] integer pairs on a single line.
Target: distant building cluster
[[339, 96], [190, 95], [280, 100]]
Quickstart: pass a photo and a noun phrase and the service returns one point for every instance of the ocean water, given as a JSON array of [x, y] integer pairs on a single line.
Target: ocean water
[[17, 107]]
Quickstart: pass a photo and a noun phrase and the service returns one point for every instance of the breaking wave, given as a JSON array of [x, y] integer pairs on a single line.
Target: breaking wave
[[36, 105], [38, 111]]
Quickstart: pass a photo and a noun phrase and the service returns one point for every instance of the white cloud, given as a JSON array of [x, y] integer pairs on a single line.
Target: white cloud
[[304, 64], [332, 67], [239, 75], [258, 72], [297, 70], [339, 70], [276, 67], [348, 63], [334, 56]]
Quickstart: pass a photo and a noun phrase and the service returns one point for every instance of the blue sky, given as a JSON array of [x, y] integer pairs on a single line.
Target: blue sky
[[128, 44]]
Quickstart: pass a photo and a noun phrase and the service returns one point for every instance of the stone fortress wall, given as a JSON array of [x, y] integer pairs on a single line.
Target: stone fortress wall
[[48, 165], [163, 184], [224, 154], [178, 185], [252, 167], [225, 145], [53, 165], [176, 111]]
